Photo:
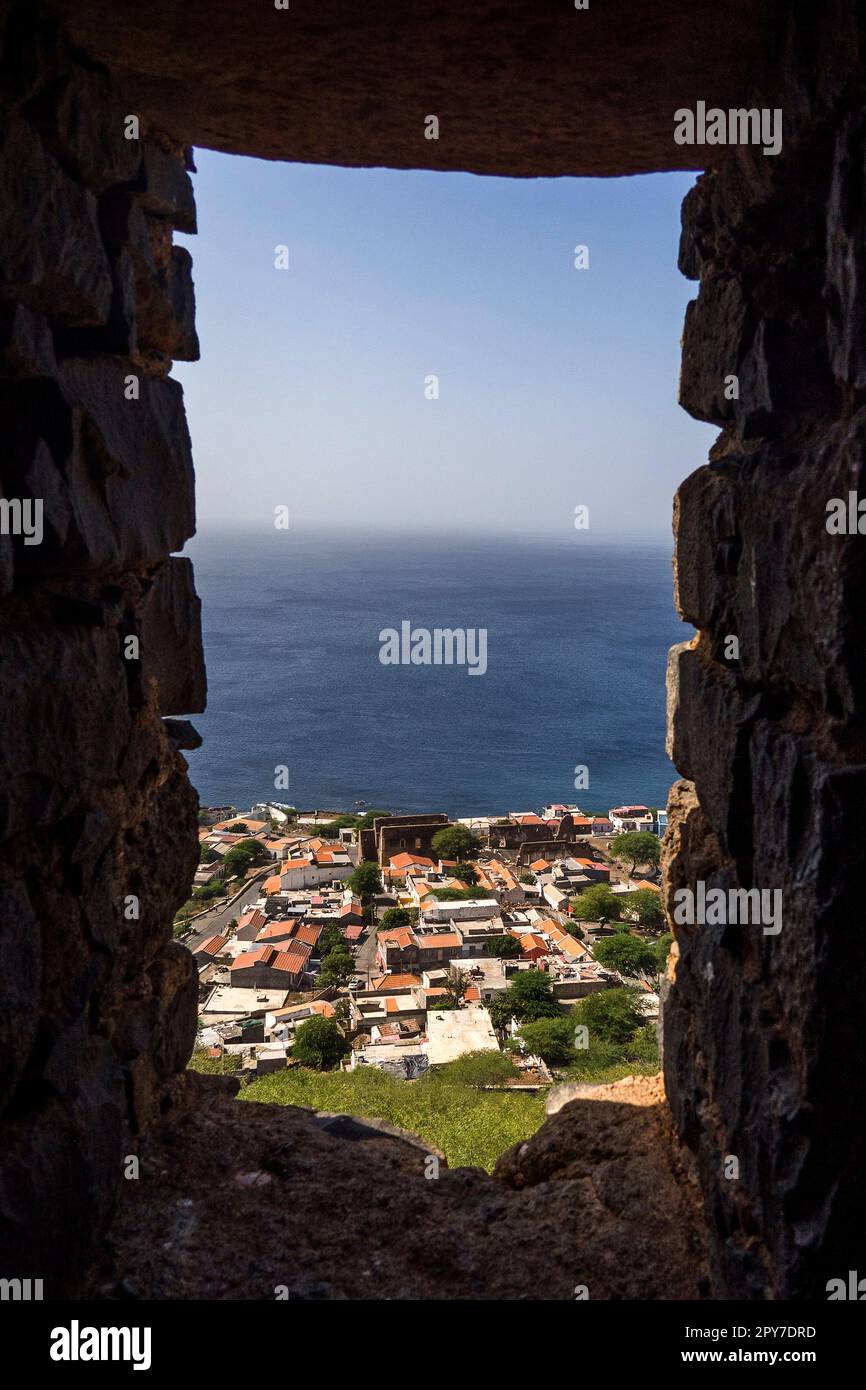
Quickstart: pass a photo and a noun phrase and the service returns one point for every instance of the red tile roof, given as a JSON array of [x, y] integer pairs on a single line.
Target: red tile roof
[[402, 861], [308, 934], [398, 936], [213, 945], [253, 918], [294, 961], [384, 982], [258, 955], [275, 931]]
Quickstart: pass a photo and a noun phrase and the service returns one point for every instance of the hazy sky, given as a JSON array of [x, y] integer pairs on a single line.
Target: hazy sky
[[557, 386]]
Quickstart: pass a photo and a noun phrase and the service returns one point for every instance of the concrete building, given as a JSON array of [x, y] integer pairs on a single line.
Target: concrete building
[[453, 1032]]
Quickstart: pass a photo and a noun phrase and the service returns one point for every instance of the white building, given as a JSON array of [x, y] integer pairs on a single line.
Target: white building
[[624, 818], [468, 909]]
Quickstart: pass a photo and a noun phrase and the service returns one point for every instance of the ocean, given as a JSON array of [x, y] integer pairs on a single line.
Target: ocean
[[577, 637]]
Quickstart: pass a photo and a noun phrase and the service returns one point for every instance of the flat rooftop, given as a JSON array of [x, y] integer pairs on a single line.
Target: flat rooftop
[[453, 1032], [230, 1000]]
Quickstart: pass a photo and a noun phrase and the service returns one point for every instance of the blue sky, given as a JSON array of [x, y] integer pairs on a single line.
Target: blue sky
[[557, 386]]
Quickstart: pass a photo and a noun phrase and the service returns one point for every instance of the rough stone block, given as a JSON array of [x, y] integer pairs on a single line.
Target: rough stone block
[[166, 309], [26, 345], [715, 336], [167, 187], [131, 476], [171, 645], [20, 984], [81, 120], [51, 254]]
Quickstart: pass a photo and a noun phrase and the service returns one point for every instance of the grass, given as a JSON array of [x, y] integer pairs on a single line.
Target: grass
[[446, 1107], [214, 1066], [470, 1126]]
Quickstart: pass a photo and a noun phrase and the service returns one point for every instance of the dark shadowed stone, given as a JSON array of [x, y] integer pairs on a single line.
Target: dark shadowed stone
[[348, 1127], [51, 254], [81, 120], [714, 339], [171, 646], [182, 733], [846, 257], [132, 464], [519, 90], [20, 983], [166, 309], [167, 187], [26, 347], [62, 1155]]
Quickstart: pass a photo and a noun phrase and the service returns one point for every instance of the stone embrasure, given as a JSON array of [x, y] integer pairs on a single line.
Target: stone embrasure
[[762, 1035], [602, 1197]]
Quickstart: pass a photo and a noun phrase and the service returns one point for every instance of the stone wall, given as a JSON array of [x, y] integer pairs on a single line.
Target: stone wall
[[763, 1041], [100, 626], [97, 817]]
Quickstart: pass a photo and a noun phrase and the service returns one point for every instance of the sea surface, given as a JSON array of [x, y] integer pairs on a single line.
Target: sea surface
[[577, 637]]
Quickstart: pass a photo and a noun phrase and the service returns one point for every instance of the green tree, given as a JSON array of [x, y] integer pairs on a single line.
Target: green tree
[[528, 997], [626, 954], [551, 1039], [596, 902], [527, 878], [467, 873], [342, 1011], [206, 892], [636, 847], [332, 939], [610, 1015], [257, 851], [338, 966], [456, 842], [456, 982], [243, 856], [503, 947], [646, 904], [366, 880], [239, 828], [395, 917], [206, 855], [319, 1044]]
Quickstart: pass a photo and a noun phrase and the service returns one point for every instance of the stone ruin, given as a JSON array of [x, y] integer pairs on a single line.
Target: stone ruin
[[762, 1037]]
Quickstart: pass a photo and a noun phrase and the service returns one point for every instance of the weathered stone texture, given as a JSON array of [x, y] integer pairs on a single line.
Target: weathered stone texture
[[601, 1196], [97, 817], [762, 1036], [761, 1043], [519, 88]]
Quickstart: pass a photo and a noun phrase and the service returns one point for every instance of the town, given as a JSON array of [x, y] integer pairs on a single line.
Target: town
[[403, 942]]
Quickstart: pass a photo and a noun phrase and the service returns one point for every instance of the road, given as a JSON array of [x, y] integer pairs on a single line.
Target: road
[[365, 960], [219, 917]]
